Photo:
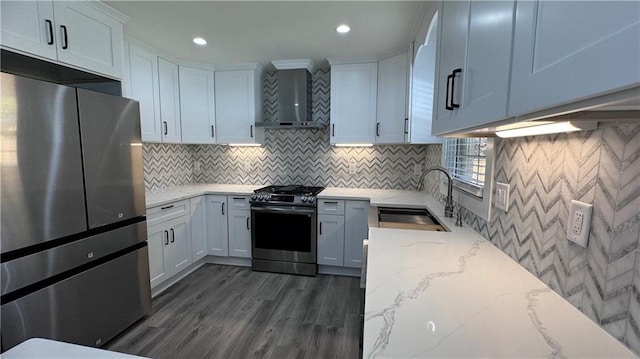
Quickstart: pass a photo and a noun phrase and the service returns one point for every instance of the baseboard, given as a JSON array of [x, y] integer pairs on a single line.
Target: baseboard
[[176, 278], [344, 271], [229, 261]]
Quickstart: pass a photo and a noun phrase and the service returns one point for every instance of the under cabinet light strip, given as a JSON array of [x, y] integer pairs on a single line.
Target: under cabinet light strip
[[556, 127]]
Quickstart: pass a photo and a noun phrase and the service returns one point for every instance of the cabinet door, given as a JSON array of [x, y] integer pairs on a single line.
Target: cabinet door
[[197, 106], [453, 28], [142, 78], [353, 103], [240, 233], [235, 106], [474, 77], [198, 223], [331, 240], [169, 101], [356, 229], [88, 38], [158, 242], [485, 74], [29, 26], [392, 99], [571, 50], [217, 230], [179, 244]]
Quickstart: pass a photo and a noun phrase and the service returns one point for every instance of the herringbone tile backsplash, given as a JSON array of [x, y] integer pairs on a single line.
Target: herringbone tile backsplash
[[601, 167]]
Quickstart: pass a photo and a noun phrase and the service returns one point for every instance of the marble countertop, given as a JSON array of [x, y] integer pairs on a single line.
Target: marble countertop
[[449, 294], [47, 348], [162, 196]]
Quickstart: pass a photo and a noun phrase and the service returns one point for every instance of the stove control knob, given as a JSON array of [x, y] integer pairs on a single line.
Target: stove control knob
[[311, 199], [267, 197], [260, 197], [304, 199], [254, 197]]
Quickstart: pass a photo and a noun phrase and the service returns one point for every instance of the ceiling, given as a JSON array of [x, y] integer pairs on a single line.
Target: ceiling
[[262, 31]]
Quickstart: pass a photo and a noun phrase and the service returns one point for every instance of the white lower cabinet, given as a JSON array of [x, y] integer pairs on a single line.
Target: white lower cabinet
[[217, 227], [239, 227], [198, 227], [169, 248], [331, 240], [356, 229], [342, 226]]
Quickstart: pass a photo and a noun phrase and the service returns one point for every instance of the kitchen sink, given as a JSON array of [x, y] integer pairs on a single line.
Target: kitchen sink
[[408, 218]]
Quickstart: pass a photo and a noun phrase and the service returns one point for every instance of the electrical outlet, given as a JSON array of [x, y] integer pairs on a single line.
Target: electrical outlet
[[501, 199], [417, 169], [247, 166], [352, 167], [579, 222]]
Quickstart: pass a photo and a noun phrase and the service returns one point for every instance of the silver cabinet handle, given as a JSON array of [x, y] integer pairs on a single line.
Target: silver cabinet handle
[[166, 238], [173, 236]]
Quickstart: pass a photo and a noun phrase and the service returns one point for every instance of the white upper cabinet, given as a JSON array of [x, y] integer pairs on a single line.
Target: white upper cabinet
[[392, 120], [85, 35], [89, 38], [423, 77], [29, 26], [353, 103], [141, 80], [474, 63], [197, 105], [169, 89], [566, 51], [238, 106]]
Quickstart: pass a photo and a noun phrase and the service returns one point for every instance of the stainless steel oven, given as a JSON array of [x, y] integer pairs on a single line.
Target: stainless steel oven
[[283, 233]]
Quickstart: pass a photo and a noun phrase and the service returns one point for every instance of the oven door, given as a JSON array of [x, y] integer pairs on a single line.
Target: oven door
[[284, 233]]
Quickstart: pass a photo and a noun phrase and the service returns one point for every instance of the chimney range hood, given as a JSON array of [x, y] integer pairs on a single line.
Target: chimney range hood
[[293, 102]]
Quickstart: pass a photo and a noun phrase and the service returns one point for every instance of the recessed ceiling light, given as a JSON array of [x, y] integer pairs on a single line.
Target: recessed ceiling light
[[199, 41], [343, 29]]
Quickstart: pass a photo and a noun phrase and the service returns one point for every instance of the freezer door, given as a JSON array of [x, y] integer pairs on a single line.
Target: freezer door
[[112, 155], [42, 194], [88, 308]]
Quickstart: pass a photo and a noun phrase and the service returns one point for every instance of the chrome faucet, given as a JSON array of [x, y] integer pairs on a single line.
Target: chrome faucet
[[448, 206]]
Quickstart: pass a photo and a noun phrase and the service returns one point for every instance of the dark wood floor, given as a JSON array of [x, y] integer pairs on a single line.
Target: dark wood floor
[[233, 312]]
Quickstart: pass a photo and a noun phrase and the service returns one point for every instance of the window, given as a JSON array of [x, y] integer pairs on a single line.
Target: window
[[466, 161], [470, 162]]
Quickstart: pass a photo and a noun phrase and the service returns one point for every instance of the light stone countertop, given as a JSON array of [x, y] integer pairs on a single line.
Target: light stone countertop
[[450, 294], [162, 196]]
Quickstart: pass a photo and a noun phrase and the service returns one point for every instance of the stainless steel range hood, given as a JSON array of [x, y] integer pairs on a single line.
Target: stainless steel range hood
[[294, 100]]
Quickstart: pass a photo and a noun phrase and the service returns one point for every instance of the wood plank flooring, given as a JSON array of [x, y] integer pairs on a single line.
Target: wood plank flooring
[[232, 312]]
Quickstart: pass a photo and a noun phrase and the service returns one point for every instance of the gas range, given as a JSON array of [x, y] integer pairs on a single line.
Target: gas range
[[286, 195]]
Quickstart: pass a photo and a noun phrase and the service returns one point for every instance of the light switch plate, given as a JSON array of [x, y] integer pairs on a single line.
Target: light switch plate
[[501, 197], [579, 222], [352, 167]]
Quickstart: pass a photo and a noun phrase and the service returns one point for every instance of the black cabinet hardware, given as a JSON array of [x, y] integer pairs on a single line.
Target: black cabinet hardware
[[65, 42], [248, 218], [378, 129], [166, 238], [223, 208], [166, 207], [166, 127], [453, 84], [173, 235], [251, 131], [213, 131], [446, 98], [333, 130], [320, 228], [406, 126], [50, 25]]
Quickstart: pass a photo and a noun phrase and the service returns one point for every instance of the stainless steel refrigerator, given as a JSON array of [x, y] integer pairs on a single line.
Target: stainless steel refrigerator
[[73, 251]]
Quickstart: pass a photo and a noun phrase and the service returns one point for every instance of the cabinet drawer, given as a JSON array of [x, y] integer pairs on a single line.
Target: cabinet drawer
[[160, 214], [238, 202], [331, 206]]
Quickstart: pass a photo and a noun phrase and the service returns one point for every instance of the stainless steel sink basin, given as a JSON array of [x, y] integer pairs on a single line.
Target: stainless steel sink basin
[[408, 218]]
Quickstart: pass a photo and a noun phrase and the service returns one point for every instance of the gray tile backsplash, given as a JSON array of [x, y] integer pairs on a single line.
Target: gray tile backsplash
[[601, 167]]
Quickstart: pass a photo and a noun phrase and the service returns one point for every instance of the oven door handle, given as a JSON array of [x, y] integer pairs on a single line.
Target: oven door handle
[[292, 210]]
